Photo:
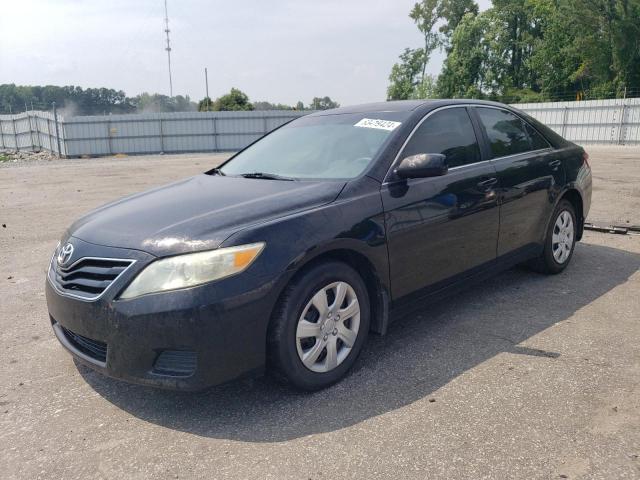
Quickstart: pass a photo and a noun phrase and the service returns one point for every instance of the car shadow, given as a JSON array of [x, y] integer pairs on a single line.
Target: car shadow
[[421, 353]]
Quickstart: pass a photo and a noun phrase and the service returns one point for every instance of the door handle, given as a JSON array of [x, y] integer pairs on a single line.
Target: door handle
[[555, 164], [487, 184]]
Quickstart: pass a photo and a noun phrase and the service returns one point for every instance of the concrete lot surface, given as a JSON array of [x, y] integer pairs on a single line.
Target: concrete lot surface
[[616, 189], [524, 377]]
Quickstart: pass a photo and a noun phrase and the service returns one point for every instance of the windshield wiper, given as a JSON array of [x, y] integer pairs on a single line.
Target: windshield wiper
[[266, 176]]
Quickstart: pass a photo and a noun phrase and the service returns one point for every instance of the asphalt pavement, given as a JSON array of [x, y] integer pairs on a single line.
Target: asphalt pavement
[[525, 376]]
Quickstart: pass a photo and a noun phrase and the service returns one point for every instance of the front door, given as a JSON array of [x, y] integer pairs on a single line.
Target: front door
[[440, 227]]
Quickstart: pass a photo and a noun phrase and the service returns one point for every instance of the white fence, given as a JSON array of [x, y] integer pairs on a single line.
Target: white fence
[[584, 122], [31, 131], [592, 121], [138, 133]]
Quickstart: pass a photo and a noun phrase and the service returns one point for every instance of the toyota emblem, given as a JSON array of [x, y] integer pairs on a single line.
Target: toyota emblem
[[64, 254]]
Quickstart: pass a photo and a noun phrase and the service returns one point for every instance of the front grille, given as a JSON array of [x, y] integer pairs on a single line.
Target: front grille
[[88, 278], [93, 348], [175, 363]]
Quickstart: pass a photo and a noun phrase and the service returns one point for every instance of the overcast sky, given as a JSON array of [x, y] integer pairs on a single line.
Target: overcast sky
[[277, 50]]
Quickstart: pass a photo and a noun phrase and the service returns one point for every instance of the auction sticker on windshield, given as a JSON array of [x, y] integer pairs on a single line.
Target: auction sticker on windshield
[[377, 123]]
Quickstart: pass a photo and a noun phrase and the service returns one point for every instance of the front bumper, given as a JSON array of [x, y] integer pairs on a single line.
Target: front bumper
[[212, 333]]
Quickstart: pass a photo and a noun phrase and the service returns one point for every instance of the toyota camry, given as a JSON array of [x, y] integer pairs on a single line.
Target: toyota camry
[[290, 253]]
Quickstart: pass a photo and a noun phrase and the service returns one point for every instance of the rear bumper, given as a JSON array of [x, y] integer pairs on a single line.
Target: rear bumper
[[187, 339]]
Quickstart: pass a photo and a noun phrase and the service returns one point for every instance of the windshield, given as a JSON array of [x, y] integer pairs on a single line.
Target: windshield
[[337, 146]]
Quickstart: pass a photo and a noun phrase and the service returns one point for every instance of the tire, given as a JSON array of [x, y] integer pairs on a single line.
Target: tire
[[557, 254], [298, 314]]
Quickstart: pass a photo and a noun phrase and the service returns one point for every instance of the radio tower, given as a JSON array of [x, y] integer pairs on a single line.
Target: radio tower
[[168, 48]]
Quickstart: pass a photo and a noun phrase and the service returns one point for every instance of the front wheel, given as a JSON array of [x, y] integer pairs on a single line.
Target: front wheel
[[319, 326], [560, 240]]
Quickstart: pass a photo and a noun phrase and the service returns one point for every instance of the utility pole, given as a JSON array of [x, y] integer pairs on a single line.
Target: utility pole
[[206, 81], [168, 47]]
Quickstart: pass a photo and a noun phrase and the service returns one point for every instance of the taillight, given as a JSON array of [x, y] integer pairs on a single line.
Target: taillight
[[585, 157]]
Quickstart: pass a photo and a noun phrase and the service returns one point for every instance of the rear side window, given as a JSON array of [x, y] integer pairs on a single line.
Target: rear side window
[[448, 132], [537, 141], [505, 131]]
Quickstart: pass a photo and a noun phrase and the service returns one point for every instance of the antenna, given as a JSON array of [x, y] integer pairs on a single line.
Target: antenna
[[168, 48]]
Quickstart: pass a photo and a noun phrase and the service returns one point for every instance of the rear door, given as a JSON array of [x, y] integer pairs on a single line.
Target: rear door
[[440, 227], [529, 174]]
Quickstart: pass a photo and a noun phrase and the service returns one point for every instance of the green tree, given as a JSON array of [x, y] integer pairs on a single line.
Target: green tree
[[322, 103], [406, 75], [235, 100], [425, 14], [547, 49], [490, 54], [74, 100], [589, 47], [408, 78], [271, 106], [183, 104], [515, 28], [155, 103], [452, 12], [205, 105], [464, 70], [555, 57], [524, 50], [426, 88]]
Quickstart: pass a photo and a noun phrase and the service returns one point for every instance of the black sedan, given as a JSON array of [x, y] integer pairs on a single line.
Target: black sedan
[[297, 247]]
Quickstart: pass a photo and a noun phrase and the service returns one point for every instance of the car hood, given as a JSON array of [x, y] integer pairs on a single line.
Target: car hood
[[198, 213]]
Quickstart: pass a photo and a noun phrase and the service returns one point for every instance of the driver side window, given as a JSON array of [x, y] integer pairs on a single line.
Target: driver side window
[[448, 132]]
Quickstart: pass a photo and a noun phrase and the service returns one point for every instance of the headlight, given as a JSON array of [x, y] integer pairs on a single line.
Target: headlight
[[192, 269]]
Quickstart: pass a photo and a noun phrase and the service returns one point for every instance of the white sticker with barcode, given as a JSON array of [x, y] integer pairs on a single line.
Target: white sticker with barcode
[[377, 123]]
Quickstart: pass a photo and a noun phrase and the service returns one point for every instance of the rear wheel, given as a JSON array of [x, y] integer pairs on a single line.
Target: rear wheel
[[560, 240], [319, 326]]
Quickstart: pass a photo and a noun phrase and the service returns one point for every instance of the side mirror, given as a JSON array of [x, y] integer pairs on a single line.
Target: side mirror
[[422, 165]]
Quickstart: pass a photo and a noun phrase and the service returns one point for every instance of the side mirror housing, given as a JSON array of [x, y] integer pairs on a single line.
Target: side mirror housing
[[422, 165]]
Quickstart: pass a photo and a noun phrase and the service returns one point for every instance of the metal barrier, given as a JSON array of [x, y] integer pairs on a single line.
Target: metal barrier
[[584, 122], [32, 131], [612, 122], [138, 133]]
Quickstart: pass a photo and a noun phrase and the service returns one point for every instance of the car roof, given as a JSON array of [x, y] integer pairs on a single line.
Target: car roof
[[402, 106], [392, 106]]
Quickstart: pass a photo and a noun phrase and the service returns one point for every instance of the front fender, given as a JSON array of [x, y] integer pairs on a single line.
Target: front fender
[[353, 224]]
